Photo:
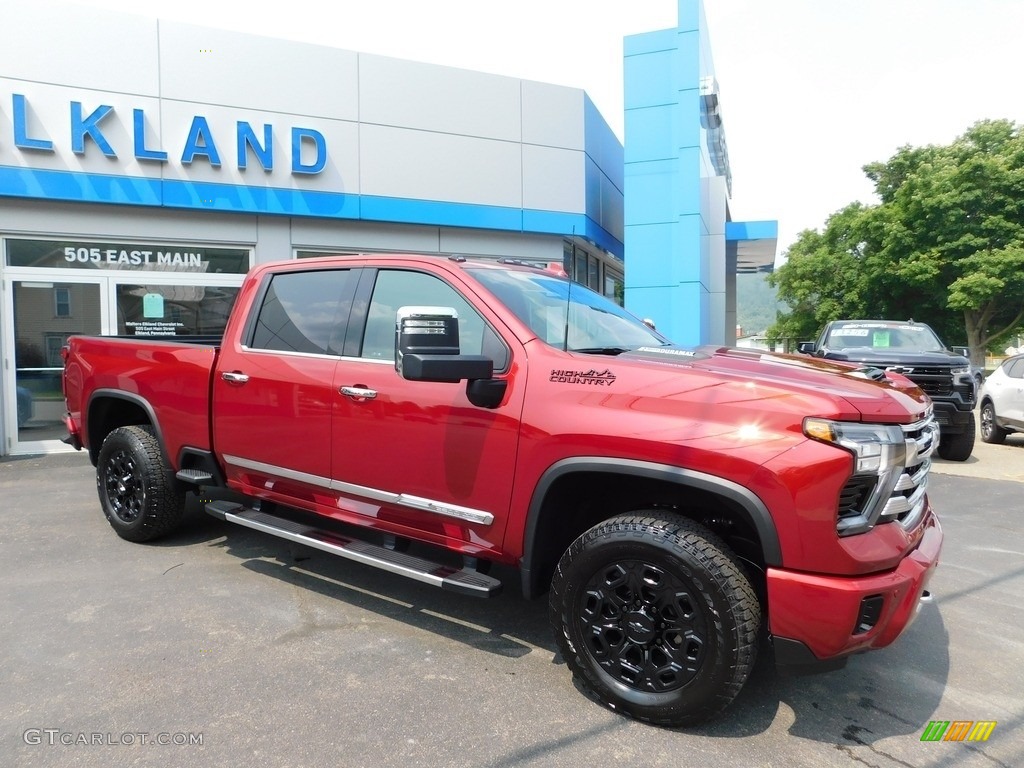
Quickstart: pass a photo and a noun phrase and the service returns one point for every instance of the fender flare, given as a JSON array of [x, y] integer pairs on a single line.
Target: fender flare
[[749, 505], [117, 394]]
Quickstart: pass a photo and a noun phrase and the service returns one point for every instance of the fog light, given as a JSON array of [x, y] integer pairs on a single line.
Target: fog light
[[870, 611]]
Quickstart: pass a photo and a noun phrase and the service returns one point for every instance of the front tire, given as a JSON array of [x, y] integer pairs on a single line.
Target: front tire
[[655, 617], [958, 446], [991, 432], [139, 499]]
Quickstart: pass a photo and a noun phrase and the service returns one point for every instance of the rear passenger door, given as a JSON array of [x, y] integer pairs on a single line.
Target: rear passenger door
[[273, 394], [416, 455]]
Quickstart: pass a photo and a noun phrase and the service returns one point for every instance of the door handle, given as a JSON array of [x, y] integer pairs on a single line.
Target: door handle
[[233, 377], [358, 393]]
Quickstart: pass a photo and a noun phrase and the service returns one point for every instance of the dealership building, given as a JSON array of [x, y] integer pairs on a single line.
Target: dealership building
[[138, 185]]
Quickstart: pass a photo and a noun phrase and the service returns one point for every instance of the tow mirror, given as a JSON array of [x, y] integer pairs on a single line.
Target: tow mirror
[[427, 347]]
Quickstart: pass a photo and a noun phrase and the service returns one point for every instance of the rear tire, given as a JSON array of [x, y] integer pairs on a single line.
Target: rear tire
[[139, 499], [959, 445], [656, 618], [991, 432]]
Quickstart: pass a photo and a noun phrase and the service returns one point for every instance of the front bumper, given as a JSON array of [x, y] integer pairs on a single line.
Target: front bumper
[[821, 619], [954, 416]]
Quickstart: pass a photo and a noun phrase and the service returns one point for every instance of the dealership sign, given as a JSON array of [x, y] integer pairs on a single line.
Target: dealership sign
[[135, 257], [90, 126]]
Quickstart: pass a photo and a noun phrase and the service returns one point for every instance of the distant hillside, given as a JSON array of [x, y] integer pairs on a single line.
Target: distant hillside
[[756, 303]]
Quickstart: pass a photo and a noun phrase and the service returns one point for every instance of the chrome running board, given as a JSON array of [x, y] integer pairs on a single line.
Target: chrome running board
[[465, 581]]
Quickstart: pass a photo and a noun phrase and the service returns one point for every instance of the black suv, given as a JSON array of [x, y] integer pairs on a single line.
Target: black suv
[[914, 350]]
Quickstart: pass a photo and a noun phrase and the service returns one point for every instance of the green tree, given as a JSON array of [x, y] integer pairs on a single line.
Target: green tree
[[825, 276], [945, 244]]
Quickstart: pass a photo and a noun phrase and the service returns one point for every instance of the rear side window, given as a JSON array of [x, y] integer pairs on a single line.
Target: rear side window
[[1015, 368], [305, 312]]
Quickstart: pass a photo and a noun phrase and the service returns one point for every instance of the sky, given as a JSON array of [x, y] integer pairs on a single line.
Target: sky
[[811, 90]]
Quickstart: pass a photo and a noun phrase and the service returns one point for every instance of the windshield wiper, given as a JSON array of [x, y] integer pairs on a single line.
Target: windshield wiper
[[601, 350]]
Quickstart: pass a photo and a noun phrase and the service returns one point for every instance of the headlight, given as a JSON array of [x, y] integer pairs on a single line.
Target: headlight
[[875, 447], [879, 458], [958, 371]]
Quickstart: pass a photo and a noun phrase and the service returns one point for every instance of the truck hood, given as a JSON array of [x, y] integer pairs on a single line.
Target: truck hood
[[832, 389]]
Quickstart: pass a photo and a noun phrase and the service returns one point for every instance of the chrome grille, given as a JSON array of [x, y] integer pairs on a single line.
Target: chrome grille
[[895, 494], [907, 501]]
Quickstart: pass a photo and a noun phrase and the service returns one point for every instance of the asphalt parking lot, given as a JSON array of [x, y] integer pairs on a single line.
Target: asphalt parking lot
[[274, 655]]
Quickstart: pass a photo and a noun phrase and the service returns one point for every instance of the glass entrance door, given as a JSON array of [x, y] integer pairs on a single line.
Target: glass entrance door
[[53, 289], [45, 314]]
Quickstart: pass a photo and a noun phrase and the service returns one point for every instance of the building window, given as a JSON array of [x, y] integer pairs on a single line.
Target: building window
[[593, 273], [614, 286], [579, 274], [62, 302], [581, 266]]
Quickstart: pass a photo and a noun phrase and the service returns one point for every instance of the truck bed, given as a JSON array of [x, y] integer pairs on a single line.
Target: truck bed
[[169, 380]]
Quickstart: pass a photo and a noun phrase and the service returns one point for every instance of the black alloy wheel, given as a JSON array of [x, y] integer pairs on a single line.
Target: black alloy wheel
[[125, 489], [642, 626]]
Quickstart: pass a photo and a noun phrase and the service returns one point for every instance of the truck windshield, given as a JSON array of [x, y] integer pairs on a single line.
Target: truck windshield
[[884, 337], [567, 315]]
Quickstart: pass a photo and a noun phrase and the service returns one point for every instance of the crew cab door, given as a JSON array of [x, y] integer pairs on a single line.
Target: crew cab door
[[273, 393], [418, 456]]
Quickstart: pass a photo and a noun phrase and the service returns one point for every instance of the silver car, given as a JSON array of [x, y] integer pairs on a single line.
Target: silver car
[[1002, 400]]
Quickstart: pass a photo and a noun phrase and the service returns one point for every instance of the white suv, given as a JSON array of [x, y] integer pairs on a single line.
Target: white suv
[[1002, 400]]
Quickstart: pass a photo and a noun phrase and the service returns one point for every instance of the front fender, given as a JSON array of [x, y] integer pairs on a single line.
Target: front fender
[[748, 505]]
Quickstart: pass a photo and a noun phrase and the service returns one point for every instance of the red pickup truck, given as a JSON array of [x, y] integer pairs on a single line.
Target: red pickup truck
[[430, 416]]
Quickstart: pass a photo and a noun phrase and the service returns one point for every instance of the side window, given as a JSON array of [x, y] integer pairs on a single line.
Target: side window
[[1015, 370], [396, 288], [305, 312]]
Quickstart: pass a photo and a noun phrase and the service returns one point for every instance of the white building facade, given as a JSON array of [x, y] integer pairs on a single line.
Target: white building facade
[[147, 165]]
